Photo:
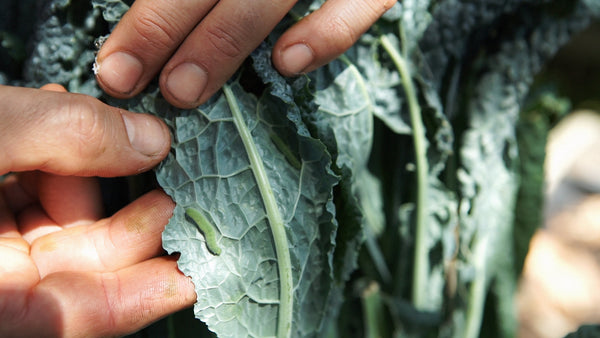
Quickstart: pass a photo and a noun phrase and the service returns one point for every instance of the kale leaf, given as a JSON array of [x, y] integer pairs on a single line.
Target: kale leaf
[[394, 170]]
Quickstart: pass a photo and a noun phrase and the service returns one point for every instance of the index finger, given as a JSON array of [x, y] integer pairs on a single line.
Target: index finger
[[143, 40]]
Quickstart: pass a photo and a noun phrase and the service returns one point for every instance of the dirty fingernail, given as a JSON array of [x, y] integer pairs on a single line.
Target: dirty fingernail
[[296, 58], [186, 83], [120, 72], [146, 134]]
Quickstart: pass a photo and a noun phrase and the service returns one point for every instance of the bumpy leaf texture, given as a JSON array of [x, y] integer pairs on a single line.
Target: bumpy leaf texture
[[213, 169], [279, 174], [496, 84]]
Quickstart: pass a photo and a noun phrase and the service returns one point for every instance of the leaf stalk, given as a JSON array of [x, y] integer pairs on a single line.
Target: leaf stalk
[[421, 263], [284, 265]]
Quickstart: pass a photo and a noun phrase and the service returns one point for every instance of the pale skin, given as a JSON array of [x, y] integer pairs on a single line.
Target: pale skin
[[66, 270], [196, 45]]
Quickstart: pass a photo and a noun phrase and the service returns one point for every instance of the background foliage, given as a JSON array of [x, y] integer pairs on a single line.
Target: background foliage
[[406, 174]]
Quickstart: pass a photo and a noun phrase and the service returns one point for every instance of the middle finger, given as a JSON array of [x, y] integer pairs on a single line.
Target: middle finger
[[217, 47], [143, 40]]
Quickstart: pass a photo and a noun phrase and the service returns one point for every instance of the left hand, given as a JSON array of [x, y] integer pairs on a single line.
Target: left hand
[[65, 271]]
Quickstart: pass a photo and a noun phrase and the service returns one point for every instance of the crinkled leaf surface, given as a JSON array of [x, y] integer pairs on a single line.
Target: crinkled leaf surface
[[489, 155], [60, 46], [470, 63], [209, 170]]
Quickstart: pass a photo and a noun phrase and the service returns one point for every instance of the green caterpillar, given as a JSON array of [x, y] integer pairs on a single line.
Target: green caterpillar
[[285, 150], [207, 229]]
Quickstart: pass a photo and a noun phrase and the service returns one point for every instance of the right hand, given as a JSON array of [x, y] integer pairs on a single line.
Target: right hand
[[197, 45]]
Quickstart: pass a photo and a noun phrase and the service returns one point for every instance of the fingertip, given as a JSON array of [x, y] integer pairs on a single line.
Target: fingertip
[[147, 134], [325, 34], [305, 47], [184, 85], [119, 74], [294, 60], [54, 87]]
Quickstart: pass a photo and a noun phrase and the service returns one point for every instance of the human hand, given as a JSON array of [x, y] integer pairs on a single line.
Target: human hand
[[65, 271], [200, 44]]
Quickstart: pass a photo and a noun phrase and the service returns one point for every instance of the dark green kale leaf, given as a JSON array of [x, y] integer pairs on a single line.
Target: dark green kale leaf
[[408, 144], [497, 83], [585, 331]]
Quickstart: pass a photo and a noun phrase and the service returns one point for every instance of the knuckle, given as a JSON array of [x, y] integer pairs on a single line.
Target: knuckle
[[344, 33], [84, 121], [224, 41], [375, 9], [157, 30], [112, 289], [104, 246]]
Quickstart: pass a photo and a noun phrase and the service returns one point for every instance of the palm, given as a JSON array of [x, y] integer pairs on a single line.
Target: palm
[[66, 271]]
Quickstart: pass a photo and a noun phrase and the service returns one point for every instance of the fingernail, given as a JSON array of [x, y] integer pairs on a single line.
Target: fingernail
[[145, 133], [120, 72], [186, 83], [296, 58]]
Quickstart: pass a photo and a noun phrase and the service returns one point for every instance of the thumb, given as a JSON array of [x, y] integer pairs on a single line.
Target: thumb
[[74, 134]]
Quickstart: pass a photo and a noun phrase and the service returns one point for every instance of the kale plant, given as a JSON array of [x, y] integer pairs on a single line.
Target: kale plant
[[383, 184]]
